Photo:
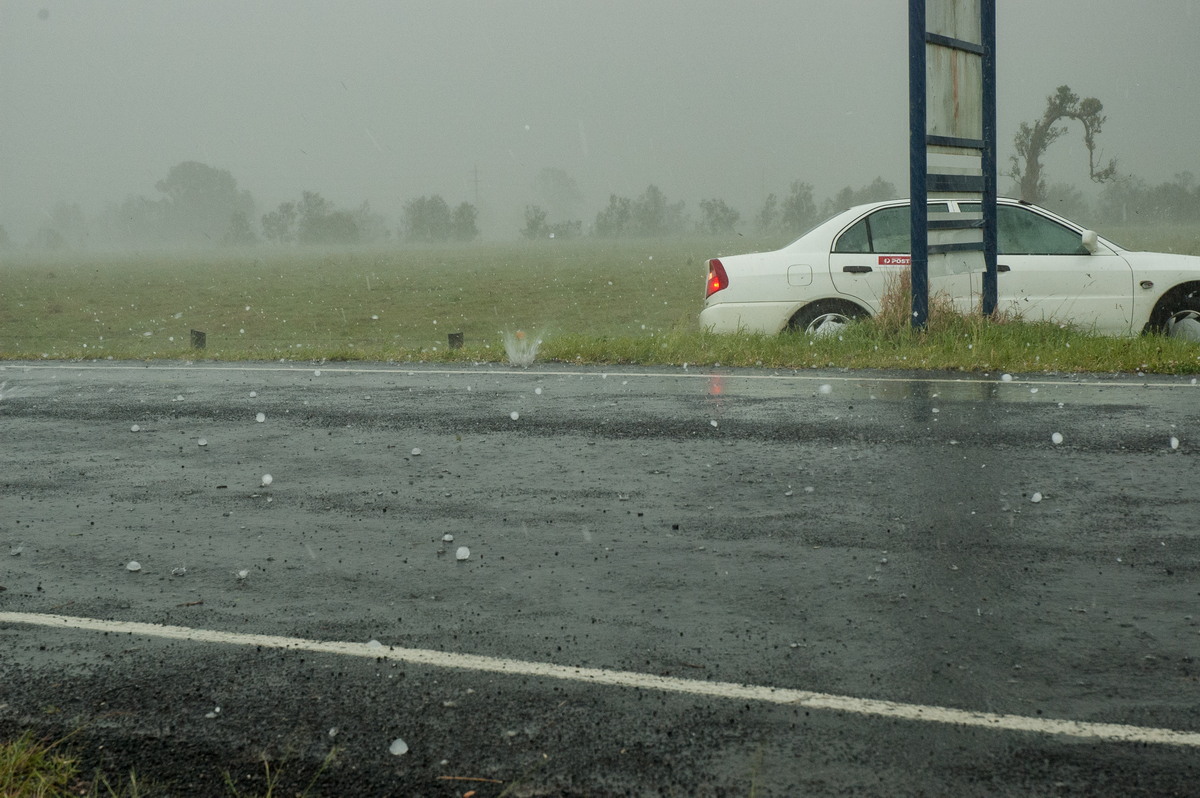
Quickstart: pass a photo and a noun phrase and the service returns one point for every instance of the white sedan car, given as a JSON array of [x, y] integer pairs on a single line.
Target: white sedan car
[[1048, 269]]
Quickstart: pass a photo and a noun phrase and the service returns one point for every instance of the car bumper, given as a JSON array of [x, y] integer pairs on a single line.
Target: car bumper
[[749, 317]]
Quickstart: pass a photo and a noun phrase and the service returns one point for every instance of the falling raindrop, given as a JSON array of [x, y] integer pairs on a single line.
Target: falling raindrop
[[514, 415], [1057, 437], [1174, 442], [398, 747], [1006, 378], [267, 479], [253, 394], [317, 373], [135, 428], [538, 391], [1035, 498], [448, 538], [374, 644], [242, 574], [463, 553], [202, 442], [133, 565], [826, 389], [416, 451], [261, 417], [713, 422]]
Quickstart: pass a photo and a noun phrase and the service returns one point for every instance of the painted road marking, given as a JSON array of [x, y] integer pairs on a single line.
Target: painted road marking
[[1104, 732], [700, 372]]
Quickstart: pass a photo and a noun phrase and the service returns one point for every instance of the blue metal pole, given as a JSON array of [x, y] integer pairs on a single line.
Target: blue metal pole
[[987, 32], [918, 164]]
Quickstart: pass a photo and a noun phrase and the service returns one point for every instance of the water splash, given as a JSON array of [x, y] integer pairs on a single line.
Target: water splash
[[521, 348]]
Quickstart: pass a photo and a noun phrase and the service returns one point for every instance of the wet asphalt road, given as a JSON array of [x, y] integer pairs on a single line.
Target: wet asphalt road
[[916, 539]]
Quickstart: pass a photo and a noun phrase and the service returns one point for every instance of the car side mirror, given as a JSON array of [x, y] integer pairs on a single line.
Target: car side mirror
[[1089, 242]]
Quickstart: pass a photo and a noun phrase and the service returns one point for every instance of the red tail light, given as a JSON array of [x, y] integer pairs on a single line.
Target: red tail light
[[717, 279]]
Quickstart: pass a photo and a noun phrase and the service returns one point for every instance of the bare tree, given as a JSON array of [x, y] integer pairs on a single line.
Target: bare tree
[[1031, 142]]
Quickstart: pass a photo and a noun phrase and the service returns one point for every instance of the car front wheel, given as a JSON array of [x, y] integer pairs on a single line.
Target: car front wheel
[[825, 317], [1180, 316]]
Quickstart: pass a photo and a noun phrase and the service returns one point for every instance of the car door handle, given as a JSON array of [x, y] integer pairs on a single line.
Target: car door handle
[[1000, 267], [856, 269]]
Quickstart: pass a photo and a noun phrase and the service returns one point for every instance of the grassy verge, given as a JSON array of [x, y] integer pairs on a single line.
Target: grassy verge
[[587, 301], [34, 768]]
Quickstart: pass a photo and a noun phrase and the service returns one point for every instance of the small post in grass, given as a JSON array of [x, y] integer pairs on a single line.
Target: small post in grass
[[199, 339]]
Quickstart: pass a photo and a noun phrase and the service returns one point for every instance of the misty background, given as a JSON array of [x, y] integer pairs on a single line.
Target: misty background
[[372, 113]]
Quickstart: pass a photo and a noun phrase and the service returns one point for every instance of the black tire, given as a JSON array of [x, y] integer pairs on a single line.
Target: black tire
[[825, 316], [1178, 315]]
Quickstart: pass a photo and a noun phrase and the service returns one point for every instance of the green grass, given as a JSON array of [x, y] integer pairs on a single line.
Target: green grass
[[29, 768], [34, 768], [589, 301]]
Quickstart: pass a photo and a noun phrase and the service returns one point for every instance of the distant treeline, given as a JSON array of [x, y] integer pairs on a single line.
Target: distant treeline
[[199, 205]]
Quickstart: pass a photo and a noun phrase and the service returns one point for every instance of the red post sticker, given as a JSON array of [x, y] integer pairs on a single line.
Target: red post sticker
[[895, 260]]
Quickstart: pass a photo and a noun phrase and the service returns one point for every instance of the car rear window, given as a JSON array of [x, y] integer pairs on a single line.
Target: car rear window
[[886, 231]]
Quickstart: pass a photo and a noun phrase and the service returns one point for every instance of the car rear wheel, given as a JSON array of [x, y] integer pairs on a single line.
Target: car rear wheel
[[825, 317]]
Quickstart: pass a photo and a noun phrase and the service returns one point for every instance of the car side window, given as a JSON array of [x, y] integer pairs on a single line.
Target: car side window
[[886, 231], [855, 239], [889, 230], [1020, 231]]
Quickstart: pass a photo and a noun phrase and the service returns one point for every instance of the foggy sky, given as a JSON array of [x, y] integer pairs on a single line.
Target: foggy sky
[[389, 100]]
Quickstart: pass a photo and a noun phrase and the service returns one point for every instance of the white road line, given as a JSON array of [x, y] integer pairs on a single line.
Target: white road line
[[1103, 732], [700, 372]]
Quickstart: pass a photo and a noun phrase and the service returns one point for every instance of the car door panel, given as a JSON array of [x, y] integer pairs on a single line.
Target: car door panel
[[1044, 273]]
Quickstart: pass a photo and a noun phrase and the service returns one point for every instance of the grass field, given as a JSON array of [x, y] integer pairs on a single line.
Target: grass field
[[587, 300]]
